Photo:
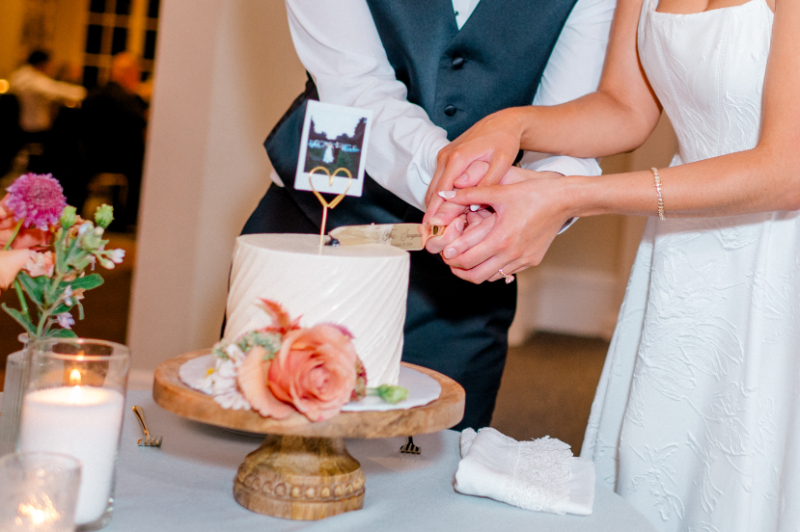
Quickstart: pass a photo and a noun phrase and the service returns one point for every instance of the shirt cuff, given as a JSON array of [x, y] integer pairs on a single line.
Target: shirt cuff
[[421, 170], [563, 165], [560, 163]]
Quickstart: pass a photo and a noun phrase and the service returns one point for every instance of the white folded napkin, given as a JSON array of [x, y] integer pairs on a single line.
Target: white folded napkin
[[537, 475]]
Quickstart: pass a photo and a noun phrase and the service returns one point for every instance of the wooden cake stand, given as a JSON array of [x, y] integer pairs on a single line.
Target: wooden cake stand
[[303, 469]]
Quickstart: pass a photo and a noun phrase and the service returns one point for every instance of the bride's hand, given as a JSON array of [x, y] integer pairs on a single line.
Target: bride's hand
[[494, 140], [449, 212], [528, 216]]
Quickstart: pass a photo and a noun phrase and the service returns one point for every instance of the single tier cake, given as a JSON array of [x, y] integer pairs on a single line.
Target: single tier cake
[[363, 288]]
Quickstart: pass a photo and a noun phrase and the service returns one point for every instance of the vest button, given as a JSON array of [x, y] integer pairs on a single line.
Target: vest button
[[449, 110], [457, 62]]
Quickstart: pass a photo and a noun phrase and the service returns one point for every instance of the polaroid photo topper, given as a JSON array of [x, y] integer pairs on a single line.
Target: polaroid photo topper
[[333, 149]]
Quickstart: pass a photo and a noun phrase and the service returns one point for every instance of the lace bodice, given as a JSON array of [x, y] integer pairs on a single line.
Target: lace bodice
[[708, 72]]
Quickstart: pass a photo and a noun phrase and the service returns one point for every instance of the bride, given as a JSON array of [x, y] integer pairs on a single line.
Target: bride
[[696, 420]]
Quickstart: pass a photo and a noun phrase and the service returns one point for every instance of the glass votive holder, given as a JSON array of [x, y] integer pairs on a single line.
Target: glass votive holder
[[39, 492], [16, 380], [74, 405]]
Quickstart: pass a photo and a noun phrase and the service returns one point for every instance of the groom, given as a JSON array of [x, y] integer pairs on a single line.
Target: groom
[[429, 69]]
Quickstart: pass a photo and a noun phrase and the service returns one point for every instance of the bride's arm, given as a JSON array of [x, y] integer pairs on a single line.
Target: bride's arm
[[765, 178], [618, 117]]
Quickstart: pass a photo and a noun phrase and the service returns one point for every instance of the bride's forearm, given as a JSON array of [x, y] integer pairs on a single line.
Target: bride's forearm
[[745, 182], [595, 125]]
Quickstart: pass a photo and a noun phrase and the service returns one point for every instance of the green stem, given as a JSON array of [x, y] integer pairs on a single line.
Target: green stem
[[22, 304], [13, 235]]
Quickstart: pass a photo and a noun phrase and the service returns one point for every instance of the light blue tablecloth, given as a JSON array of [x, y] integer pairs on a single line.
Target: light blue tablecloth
[[187, 485]]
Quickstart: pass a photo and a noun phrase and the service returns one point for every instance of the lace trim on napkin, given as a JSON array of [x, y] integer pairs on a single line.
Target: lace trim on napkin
[[541, 472]]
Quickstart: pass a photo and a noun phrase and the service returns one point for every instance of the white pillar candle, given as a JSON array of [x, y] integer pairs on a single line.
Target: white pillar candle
[[80, 421]]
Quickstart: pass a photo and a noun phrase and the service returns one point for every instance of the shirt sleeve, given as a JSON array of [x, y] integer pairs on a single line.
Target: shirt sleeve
[[574, 70], [338, 44], [56, 90]]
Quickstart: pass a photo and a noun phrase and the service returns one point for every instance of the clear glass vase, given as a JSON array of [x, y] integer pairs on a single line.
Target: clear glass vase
[[17, 374]]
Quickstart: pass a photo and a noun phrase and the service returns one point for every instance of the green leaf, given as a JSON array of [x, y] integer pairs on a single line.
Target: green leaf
[[34, 286], [88, 282], [62, 333], [60, 309], [20, 318]]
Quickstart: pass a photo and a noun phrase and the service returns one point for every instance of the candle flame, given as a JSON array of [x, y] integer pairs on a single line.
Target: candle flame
[[80, 355], [75, 395], [38, 514], [75, 377]]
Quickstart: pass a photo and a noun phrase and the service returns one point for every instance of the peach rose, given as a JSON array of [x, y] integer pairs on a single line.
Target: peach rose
[[314, 372], [252, 380]]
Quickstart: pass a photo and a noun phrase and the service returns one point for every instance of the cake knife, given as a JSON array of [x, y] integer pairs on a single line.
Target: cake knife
[[411, 237]]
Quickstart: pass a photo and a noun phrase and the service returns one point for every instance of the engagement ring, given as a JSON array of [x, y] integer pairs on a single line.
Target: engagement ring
[[509, 278]]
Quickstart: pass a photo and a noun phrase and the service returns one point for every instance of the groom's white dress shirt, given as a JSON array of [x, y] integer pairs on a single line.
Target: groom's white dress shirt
[[338, 44]]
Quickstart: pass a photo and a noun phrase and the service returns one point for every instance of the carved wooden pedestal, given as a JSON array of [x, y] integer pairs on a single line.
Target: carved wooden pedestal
[[303, 470], [300, 478]]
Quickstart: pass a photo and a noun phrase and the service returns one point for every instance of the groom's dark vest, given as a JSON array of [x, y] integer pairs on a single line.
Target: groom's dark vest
[[458, 77]]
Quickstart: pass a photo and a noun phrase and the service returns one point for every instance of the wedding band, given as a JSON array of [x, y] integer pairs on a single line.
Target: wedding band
[[509, 278]]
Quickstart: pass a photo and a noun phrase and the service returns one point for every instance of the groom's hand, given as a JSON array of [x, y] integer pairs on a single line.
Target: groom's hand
[[444, 213], [494, 140]]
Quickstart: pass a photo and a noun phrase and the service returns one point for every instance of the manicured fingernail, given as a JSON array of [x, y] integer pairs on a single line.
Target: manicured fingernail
[[459, 224], [474, 208], [447, 194], [449, 253]]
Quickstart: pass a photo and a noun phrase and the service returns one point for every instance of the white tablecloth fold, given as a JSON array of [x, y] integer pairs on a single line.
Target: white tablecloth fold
[[539, 475]]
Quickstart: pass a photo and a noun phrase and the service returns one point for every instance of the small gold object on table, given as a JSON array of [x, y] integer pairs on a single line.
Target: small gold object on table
[[303, 470]]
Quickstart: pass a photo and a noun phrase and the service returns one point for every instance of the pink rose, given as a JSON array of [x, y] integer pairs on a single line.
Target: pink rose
[[315, 370], [11, 262]]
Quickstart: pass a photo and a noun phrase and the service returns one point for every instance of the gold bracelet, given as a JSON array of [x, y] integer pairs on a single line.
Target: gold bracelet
[[657, 184]]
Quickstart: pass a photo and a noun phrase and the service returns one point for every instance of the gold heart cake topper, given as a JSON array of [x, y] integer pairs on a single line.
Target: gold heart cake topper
[[331, 177], [325, 204]]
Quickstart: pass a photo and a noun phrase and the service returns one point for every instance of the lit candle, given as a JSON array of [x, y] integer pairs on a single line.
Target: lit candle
[[81, 421]]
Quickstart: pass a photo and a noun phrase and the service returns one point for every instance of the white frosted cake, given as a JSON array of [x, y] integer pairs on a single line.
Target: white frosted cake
[[363, 288]]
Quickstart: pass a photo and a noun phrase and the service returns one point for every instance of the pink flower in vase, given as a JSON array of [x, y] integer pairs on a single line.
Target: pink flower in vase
[[37, 199], [65, 320], [40, 264]]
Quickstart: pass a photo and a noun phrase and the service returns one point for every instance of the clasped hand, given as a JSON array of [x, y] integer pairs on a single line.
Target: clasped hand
[[508, 225]]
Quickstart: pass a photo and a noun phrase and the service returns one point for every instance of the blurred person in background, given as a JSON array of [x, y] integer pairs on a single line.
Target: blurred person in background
[[37, 94], [114, 122]]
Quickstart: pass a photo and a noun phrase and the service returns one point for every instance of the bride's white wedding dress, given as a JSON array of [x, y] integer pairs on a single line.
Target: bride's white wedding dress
[[696, 420]]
